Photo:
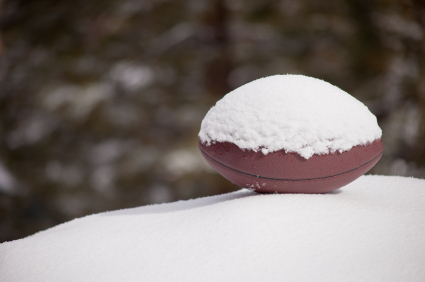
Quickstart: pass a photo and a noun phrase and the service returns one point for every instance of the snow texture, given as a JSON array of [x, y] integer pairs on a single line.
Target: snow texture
[[371, 230], [296, 113]]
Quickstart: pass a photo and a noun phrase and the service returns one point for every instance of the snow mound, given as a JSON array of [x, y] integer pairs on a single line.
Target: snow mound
[[296, 113], [370, 230]]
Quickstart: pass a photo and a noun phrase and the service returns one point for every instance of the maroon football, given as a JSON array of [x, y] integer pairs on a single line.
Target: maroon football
[[290, 134], [289, 172]]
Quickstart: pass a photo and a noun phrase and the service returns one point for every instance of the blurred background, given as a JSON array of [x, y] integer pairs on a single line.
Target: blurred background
[[101, 101]]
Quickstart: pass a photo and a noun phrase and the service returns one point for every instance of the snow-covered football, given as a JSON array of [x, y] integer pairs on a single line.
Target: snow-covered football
[[290, 134]]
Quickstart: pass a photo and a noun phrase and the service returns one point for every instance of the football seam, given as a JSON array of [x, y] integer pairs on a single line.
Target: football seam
[[282, 179]]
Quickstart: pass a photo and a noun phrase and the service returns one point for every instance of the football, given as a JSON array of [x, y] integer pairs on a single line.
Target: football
[[280, 172], [290, 134]]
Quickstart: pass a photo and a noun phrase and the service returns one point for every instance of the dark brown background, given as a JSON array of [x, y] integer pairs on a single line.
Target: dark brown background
[[101, 101]]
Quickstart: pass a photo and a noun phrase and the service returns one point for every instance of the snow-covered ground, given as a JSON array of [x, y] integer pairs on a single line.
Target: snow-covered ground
[[370, 230]]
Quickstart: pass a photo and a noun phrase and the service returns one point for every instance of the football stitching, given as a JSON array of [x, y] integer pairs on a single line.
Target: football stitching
[[279, 179]]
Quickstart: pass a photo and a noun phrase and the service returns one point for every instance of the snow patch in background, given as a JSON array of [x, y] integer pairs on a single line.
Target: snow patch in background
[[183, 161], [371, 229], [296, 113], [8, 183], [131, 76]]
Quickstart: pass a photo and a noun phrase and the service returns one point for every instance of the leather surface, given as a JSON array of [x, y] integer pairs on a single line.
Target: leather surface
[[289, 172]]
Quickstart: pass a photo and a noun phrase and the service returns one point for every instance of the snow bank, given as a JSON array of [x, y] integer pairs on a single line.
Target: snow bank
[[296, 113], [370, 230]]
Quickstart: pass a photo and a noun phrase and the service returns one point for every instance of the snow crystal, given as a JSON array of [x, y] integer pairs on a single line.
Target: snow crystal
[[296, 113], [370, 230]]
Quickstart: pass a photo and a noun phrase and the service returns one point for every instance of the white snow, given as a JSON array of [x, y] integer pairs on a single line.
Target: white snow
[[8, 183], [296, 113], [370, 230]]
